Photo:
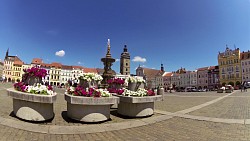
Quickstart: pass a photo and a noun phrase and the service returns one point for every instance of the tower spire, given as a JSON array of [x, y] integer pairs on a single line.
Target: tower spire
[[7, 53]]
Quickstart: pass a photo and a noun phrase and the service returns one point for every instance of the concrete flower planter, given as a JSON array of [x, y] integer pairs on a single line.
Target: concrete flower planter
[[137, 106], [32, 107], [134, 86], [89, 109]]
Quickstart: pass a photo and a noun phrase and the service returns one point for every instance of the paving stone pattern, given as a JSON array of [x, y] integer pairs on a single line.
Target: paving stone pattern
[[174, 104], [176, 129], [236, 106]]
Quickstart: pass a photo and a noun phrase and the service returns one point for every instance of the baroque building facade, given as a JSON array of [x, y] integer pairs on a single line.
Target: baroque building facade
[[230, 67], [245, 64]]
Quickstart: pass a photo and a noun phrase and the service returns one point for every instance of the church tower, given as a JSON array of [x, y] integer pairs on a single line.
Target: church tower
[[7, 54], [125, 62]]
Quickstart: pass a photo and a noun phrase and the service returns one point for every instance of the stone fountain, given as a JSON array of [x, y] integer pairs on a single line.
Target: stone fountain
[[107, 62]]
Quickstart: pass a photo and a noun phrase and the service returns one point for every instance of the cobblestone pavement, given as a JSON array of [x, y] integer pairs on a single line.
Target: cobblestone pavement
[[176, 103], [173, 129], [199, 94], [236, 106]]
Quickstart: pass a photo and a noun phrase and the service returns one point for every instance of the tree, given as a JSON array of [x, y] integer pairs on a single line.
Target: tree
[[223, 84], [231, 83], [237, 83]]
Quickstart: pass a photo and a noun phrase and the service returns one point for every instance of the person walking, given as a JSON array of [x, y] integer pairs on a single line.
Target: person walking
[[241, 87]]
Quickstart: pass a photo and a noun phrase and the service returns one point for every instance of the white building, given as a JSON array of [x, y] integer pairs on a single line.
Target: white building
[[152, 77], [185, 79], [66, 74], [76, 71], [245, 66], [202, 78], [167, 80], [193, 78], [175, 80]]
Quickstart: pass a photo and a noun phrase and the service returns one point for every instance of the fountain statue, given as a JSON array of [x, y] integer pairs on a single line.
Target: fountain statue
[[107, 62]]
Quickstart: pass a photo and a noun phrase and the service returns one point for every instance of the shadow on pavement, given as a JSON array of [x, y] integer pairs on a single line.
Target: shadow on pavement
[[35, 122]]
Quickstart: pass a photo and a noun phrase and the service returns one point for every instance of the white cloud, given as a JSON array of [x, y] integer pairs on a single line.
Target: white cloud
[[117, 60], [139, 59], [79, 63], [60, 53]]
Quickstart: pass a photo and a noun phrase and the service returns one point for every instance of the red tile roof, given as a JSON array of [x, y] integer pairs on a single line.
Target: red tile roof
[[17, 61], [56, 65], [77, 67], [89, 70], [245, 55], [202, 69], [37, 61], [67, 67], [167, 74], [150, 73]]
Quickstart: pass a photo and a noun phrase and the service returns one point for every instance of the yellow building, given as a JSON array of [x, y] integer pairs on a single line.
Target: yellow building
[[12, 68], [230, 67], [17, 70]]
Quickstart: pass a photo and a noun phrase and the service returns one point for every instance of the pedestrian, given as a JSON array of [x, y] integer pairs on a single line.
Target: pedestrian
[[241, 87]]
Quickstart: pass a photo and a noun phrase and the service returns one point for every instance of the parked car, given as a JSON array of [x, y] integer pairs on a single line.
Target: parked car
[[229, 88], [247, 84], [189, 89]]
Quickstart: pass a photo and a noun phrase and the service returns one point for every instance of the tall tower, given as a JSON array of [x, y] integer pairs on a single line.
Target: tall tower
[[7, 54], [125, 62], [162, 68]]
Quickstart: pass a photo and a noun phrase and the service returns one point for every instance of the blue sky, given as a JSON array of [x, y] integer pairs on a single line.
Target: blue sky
[[178, 33]]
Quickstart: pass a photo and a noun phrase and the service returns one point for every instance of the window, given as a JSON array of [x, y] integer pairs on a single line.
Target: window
[[237, 68], [242, 63]]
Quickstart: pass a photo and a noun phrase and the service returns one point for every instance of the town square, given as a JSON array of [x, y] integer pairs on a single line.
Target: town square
[[180, 116], [167, 70]]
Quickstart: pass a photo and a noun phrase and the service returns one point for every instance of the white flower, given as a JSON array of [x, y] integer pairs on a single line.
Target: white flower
[[131, 79], [90, 77], [29, 88], [139, 93], [104, 92]]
